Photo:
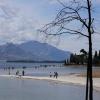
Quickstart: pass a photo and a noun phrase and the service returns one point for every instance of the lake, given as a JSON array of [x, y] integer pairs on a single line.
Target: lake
[[21, 64], [39, 69], [23, 89], [27, 89]]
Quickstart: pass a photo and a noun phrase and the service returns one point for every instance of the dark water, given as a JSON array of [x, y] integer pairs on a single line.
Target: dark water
[[17, 89]]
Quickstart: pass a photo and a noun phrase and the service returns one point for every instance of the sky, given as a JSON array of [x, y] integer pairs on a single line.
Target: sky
[[20, 19]]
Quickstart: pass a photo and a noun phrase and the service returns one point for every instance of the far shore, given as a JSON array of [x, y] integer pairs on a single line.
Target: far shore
[[74, 79]]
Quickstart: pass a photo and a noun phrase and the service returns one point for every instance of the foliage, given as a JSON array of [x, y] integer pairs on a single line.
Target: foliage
[[83, 58]]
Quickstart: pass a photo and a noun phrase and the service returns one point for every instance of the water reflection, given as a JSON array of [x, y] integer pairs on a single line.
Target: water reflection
[[22, 89]]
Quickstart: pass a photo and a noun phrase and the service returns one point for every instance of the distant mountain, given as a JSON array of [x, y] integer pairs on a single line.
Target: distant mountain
[[11, 51], [32, 50]]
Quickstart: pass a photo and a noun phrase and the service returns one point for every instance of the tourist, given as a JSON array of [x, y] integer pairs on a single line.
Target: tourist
[[17, 72], [56, 75], [23, 73], [50, 74]]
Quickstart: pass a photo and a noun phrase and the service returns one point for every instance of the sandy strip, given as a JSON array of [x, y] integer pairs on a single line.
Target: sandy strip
[[72, 79]]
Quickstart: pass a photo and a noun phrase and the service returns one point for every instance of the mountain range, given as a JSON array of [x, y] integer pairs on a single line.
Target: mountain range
[[32, 50]]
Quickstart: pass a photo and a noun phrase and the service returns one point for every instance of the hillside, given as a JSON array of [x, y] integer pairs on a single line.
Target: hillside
[[32, 50]]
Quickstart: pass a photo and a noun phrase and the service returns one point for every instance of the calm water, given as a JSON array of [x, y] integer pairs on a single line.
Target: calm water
[[38, 69], [17, 89], [23, 89], [14, 64], [42, 71]]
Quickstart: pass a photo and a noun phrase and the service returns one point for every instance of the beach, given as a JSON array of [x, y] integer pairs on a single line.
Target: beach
[[74, 79], [37, 83]]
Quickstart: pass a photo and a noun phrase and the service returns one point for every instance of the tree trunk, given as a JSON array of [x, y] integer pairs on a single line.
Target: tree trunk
[[90, 68], [87, 83], [89, 93]]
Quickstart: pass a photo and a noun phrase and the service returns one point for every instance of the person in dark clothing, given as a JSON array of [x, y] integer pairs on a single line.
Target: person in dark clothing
[[56, 74], [23, 73], [17, 73]]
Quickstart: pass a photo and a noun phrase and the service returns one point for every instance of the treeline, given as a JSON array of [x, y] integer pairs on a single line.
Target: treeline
[[82, 58], [96, 58]]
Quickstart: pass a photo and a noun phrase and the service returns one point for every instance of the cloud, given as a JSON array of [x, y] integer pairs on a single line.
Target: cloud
[[57, 1], [19, 21], [66, 1], [96, 1], [17, 29], [15, 25]]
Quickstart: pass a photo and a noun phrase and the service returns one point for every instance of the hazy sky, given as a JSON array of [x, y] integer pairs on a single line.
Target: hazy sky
[[20, 19]]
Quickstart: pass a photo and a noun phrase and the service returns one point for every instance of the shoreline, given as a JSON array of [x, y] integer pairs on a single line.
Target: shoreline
[[68, 79]]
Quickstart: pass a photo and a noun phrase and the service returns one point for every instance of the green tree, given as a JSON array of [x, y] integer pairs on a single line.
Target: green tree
[[96, 58], [84, 55], [96, 54], [72, 58], [99, 54]]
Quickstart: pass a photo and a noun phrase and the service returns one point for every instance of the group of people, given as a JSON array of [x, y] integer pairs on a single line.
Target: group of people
[[23, 72], [55, 74]]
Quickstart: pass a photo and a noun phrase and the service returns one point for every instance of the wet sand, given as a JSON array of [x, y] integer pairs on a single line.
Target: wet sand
[[66, 79]]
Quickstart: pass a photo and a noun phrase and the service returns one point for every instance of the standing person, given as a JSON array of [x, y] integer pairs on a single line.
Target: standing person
[[17, 73], [50, 74], [23, 73], [56, 75]]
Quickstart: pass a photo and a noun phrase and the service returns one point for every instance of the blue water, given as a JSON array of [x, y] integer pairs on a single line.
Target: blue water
[[25, 89], [38, 69], [42, 71], [18, 89], [21, 64]]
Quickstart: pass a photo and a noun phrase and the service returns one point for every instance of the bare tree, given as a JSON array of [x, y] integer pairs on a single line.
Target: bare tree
[[80, 12]]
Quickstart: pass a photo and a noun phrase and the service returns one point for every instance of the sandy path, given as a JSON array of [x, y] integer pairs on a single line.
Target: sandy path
[[73, 79]]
